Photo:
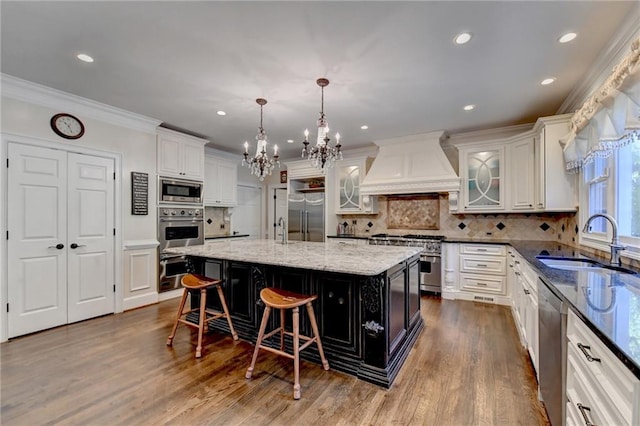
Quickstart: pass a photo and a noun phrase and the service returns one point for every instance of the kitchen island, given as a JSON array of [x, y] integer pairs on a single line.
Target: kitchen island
[[368, 306]]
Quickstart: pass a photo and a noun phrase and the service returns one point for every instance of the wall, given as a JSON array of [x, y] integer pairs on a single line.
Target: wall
[[26, 111], [530, 226], [214, 219]]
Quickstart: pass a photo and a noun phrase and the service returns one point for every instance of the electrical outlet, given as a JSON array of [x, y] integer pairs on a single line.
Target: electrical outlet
[[222, 226]]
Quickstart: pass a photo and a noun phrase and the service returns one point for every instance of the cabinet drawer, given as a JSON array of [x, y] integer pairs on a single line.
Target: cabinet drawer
[[583, 388], [490, 249], [614, 382], [483, 264], [482, 284]]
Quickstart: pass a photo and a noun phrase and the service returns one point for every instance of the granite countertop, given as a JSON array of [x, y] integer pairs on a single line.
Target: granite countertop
[[348, 259], [218, 237], [606, 300], [350, 236]]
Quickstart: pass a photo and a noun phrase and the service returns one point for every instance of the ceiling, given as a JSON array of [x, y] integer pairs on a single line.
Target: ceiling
[[392, 65]]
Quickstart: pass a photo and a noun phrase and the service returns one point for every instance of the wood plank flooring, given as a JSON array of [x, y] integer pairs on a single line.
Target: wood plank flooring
[[467, 368]]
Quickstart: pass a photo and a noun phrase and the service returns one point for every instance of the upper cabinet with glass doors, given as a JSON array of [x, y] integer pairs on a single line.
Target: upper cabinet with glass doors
[[482, 169], [349, 200]]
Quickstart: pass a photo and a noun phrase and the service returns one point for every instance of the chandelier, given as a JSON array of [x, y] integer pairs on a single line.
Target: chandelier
[[260, 164], [323, 155]]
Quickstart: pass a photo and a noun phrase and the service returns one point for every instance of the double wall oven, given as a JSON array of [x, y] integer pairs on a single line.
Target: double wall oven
[[430, 264], [177, 227]]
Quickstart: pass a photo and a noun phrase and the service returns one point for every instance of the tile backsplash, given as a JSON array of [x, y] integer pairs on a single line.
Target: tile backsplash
[[217, 222], [560, 227]]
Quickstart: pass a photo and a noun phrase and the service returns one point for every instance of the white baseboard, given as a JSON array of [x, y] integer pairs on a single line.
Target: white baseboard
[[166, 295], [141, 300]]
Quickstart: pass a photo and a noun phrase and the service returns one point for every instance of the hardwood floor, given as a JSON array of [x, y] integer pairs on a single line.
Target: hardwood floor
[[467, 368]]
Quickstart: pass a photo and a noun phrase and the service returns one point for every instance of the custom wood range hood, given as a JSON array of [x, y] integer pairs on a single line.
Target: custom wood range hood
[[411, 165]]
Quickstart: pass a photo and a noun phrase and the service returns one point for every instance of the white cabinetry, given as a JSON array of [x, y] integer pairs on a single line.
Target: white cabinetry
[[521, 180], [600, 388], [180, 155], [555, 189], [482, 274], [349, 174], [220, 182], [482, 172]]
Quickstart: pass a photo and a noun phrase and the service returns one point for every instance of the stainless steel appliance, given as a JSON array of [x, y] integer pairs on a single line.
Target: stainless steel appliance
[[430, 257], [306, 216], [177, 227], [180, 191], [552, 323]]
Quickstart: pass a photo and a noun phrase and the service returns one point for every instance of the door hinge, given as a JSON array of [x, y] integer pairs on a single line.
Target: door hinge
[[7, 307], [114, 175], [114, 288], [7, 163], [7, 235], [114, 231]]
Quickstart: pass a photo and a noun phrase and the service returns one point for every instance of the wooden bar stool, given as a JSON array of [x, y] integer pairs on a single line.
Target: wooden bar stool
[[193, 282], [282, 299]]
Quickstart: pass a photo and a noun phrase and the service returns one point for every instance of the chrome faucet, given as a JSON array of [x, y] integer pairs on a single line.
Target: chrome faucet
[[615, 245], [283, 225]]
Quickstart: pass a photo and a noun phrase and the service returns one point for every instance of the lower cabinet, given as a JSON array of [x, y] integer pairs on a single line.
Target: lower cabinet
[[483, 273], [600, 389]]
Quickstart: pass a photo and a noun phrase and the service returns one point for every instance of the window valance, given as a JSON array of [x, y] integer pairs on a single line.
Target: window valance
[[609, 119]]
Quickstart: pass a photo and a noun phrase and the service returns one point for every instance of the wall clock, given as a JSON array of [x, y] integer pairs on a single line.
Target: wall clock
[[67, 126]]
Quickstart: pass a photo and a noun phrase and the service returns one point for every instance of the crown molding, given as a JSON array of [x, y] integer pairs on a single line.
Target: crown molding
[[598, 73], [488, 134], [27, 91]]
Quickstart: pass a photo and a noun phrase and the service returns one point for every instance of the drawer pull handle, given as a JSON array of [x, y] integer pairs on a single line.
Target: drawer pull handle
[[481, 265], [526, 291], [481, 249], [583, 410], [517, 262], [517, 273], [482, 284], [587, 355]]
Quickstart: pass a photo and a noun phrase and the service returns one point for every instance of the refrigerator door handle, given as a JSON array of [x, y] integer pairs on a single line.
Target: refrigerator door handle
[[301, 226], [306, 225]]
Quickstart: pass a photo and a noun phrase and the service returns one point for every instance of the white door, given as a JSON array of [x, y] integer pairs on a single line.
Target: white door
[[246, 216], [37, 246], [90, 237], [60, 248]]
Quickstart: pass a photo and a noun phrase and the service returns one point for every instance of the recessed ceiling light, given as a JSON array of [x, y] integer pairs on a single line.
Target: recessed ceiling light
[[364, 127], [547, 81], [289, 140], [221, 113], [567, 37], [462, 38], [84, 57], [469, 107]]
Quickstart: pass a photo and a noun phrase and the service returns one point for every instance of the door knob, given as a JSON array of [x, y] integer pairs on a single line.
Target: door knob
[[75, 246], [58, 246]]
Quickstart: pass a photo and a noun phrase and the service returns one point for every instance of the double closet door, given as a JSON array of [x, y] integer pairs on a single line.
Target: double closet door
[[61, 237]]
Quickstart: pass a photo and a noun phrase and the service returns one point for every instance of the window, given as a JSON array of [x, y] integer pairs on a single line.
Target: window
[[612, 186]]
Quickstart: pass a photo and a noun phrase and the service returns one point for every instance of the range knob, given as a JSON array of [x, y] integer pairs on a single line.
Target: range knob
[[165, 212], [173, 212], [190, 212], [182, 212], [197, 212]]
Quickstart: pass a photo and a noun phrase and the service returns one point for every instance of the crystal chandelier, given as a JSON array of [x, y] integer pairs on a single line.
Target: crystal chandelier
[[260, 164], [323, 155]]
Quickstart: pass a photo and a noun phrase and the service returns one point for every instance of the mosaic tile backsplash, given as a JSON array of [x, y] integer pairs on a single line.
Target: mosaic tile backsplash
[[217, 222], [560, 227]]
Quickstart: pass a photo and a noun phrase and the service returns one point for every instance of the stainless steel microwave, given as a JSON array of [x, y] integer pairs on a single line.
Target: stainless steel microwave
[[180, 191]]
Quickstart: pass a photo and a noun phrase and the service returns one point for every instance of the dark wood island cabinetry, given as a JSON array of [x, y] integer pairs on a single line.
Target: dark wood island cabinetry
[[367, 322]]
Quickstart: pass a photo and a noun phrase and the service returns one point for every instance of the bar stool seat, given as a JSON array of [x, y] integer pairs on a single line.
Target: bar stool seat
[[194, 282], [275, 298]]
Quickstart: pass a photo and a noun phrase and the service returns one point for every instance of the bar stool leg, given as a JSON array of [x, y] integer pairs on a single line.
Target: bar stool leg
[[314, 327], [223, 301], [201, 320], [183, 301], [296, 353], [282, 322], [263, 326]]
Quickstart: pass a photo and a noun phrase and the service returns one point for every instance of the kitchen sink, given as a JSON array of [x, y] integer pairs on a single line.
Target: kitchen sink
[[580, 264]]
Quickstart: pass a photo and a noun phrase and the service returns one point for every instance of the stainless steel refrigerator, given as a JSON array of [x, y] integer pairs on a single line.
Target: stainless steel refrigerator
[[306, 216]]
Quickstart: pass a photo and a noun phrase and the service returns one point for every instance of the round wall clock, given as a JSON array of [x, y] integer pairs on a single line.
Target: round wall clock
[[67, 126]]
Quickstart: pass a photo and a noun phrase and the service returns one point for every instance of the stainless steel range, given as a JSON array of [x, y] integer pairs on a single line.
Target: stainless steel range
[[177, 227], [430, 264]]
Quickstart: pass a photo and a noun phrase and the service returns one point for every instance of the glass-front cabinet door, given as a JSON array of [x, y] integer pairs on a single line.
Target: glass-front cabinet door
[[484, 173], [349, 192]]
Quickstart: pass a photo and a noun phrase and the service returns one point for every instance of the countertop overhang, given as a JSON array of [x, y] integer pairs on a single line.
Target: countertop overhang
[[368, 260]]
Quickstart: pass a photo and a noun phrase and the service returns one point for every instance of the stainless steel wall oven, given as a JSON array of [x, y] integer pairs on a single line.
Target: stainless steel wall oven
[[177, 227]]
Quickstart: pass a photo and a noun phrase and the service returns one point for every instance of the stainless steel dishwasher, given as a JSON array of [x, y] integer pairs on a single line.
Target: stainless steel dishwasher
[[552, 323]]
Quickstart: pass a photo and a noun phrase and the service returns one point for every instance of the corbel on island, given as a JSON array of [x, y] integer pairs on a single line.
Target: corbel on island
[[368, 306]]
